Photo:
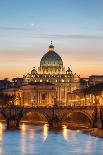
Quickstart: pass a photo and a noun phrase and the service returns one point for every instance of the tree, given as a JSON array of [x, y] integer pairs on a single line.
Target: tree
[[6, 99]]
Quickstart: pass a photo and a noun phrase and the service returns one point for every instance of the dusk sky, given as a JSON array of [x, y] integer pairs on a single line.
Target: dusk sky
[[28, 26]]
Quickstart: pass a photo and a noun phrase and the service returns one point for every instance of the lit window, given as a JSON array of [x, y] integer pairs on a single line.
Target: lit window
[[47, 80], [62, 80], [40, 80], [68, 80], [35, 80], [56, 80]]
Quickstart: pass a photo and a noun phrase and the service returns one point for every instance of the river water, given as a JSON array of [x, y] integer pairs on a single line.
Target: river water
[[40, 140]]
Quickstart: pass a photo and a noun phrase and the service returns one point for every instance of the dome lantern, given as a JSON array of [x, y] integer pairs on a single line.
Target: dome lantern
[[51, 47]]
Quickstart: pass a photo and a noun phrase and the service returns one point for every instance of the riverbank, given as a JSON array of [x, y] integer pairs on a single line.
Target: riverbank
[[94, 132], [85, 129]]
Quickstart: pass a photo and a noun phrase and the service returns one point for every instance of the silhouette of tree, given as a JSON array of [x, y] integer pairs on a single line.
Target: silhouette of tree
[[6, 99]]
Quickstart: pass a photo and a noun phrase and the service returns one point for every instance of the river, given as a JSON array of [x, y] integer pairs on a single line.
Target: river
[[40, 140]]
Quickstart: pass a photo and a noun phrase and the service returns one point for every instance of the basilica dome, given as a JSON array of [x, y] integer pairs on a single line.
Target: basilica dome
[[51, 63], [51, 58]]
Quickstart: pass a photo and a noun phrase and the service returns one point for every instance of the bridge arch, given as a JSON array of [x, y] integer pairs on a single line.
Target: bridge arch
[[34, 116], [2, 116], [78, 117]]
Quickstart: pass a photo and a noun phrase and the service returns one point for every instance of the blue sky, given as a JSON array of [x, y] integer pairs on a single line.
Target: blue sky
[[27, 26]]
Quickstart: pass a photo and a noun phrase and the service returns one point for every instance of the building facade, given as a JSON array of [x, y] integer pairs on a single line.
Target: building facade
[[95, 79], [52, 71]]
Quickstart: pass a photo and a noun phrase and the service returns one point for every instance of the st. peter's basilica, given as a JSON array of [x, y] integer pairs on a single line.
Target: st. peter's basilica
[[49, 83]]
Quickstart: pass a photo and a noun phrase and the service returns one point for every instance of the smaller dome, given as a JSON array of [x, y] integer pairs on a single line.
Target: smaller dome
[[33, 72], [69, 72]]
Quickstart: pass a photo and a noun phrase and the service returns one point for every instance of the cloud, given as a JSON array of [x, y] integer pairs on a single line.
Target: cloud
[[7, 28], [58, 36], [67, 36]]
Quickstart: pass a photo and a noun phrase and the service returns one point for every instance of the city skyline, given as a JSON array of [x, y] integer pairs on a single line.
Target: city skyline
[[27, 27]]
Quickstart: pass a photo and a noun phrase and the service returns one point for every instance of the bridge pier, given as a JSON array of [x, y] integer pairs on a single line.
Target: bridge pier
[[55, 122], [12, 123], [98, 120]]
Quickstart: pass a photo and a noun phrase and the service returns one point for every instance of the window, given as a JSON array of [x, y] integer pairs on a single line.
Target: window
[[43, 96]]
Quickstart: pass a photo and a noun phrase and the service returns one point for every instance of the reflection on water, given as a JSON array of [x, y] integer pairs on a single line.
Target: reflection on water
[[23, 128], [1, 137], [39, 140], [1, 126], [65, 132], [1, 131], [45, 132]]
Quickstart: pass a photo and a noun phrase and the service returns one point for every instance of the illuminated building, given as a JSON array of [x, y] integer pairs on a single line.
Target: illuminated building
[[51, 71]]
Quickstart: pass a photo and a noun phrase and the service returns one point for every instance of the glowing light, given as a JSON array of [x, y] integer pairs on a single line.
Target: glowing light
[[65, 132], [1, 131], [64, 127], [45, 132], [78, 131], [83, 99], [23, 128], [62, 80]]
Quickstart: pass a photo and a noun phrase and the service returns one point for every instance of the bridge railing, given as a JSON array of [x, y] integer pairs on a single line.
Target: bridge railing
[[51, 106]]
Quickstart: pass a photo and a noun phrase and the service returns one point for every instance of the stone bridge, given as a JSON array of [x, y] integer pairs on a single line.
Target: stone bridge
[[56, 116]]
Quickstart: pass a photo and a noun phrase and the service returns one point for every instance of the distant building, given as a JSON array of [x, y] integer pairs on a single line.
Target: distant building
[[94, 79], [5, 84], [84, 83], [17, 82]]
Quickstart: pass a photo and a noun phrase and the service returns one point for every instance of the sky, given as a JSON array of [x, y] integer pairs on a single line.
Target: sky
[[28, 26]]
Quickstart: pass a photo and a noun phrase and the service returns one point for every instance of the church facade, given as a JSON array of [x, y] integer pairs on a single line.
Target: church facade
[[48, 84]]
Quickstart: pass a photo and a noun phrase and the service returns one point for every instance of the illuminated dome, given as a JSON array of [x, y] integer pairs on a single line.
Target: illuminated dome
[[51, 58], [51, 63]]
